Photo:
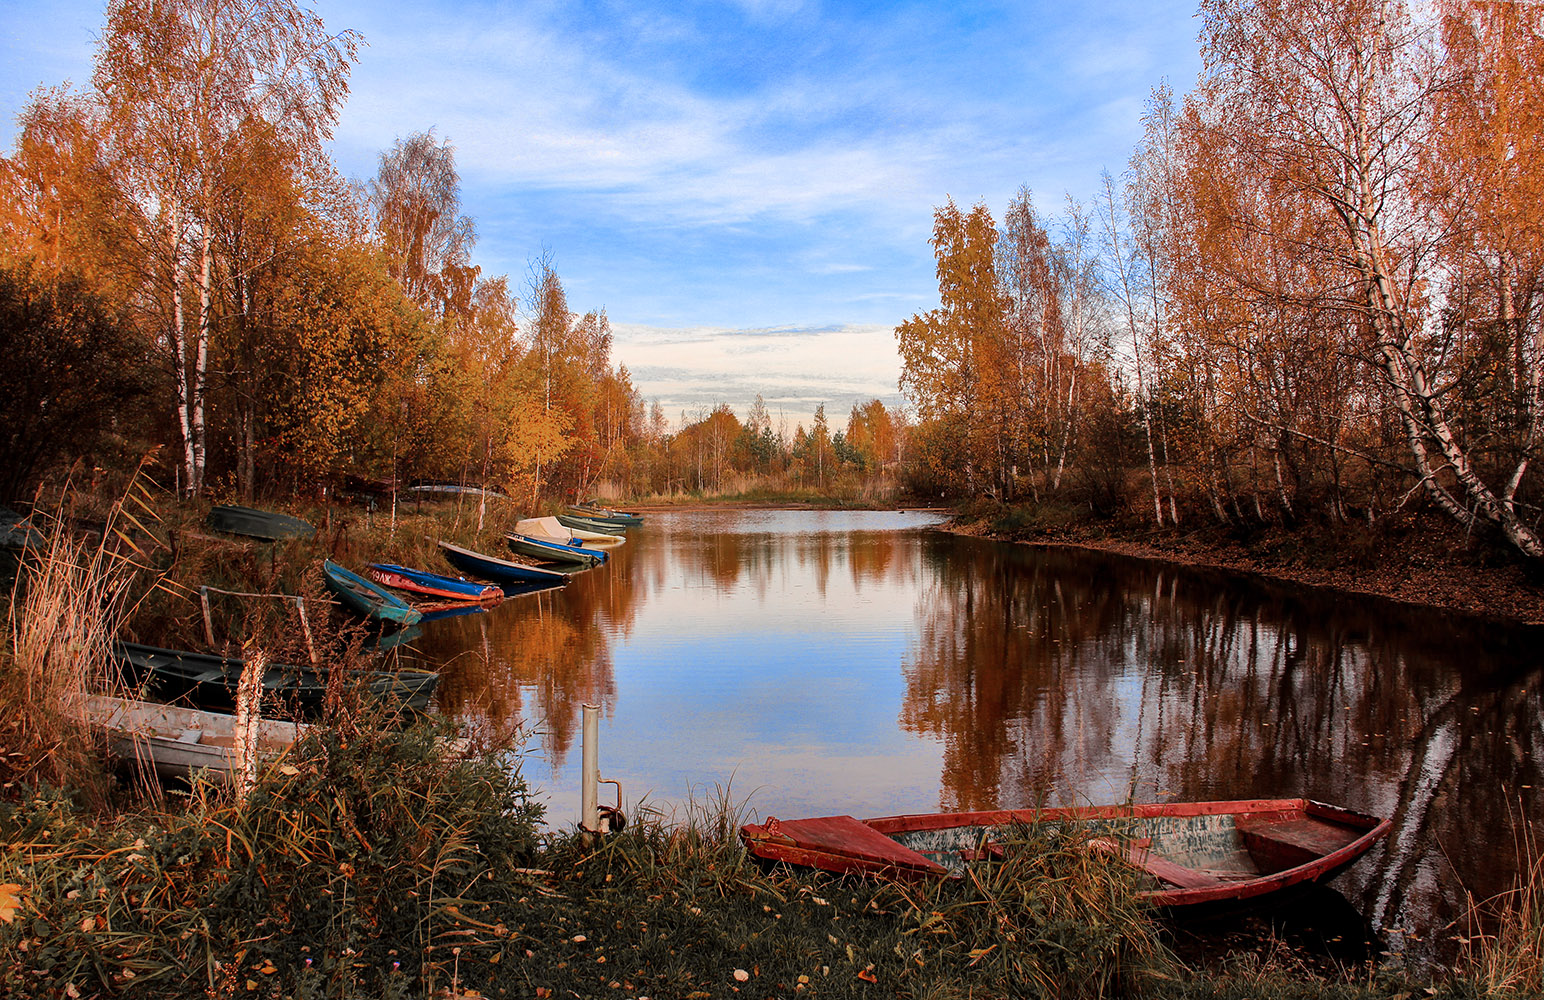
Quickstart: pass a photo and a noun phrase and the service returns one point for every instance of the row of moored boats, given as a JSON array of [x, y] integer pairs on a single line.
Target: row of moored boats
[[191, 729]]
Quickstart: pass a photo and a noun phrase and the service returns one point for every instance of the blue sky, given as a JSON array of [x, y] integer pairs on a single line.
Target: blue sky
[[746, 187]]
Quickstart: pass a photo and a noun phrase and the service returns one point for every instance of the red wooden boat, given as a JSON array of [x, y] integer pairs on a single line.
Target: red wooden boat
[[1193, 852]]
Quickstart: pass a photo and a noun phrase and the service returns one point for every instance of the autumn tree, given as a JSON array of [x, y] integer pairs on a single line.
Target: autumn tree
[[179, 82], [416, 195], [1336, 101], [951, 357], [70, 364]]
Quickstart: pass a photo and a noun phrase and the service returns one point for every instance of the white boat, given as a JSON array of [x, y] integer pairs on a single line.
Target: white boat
[[180, 742], [550, 529]]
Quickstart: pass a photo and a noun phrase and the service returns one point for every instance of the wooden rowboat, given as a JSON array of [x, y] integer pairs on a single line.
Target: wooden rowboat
[[211, 681], [267, 525], [554, 552], [367, 598], [1191, 852], [550, 529], [181, 742], [500, 571], [590, 524], [419, 581]]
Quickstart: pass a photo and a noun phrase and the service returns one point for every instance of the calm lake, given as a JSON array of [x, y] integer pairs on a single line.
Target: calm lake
[[861, 662]]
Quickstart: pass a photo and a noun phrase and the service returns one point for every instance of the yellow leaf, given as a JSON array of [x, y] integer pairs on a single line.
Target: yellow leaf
[[289, 769], [10, 900], [88, 925]]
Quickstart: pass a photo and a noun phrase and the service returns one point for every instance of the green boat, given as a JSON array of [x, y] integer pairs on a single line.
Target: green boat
[[211, 681], [367, 598], [268, 525], [587, 524], [605, 515]]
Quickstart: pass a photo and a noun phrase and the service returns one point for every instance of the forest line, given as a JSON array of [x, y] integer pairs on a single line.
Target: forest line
[[1313, 293]]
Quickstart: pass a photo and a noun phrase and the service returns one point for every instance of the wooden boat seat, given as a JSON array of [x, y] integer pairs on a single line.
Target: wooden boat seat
[[190, 736], [1286, 842], [1137, 854]]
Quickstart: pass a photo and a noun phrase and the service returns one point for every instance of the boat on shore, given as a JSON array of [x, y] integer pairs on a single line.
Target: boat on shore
[[366, 597], [554, 552], [180, 742], [267, 525], [447, 588], [550, 529], [1189, 852], [210, 681], [501, 571]]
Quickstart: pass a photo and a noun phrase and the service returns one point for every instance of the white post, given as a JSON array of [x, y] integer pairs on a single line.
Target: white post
[[589, 767]]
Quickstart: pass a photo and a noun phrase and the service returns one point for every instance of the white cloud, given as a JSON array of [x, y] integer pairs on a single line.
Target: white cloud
[[794, 370]]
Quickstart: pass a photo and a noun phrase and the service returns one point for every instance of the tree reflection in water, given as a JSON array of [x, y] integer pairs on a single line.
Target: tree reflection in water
[[839, 662]]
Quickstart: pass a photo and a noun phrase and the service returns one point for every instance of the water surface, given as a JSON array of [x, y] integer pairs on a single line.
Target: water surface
[[863, 663]]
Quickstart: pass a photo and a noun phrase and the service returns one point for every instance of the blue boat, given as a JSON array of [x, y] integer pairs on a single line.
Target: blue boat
[[555, 552], [367, 598], [419, 581], [498, 570]]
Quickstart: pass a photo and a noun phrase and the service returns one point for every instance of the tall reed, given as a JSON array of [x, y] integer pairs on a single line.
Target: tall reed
[[67, 603], [1503, 955]]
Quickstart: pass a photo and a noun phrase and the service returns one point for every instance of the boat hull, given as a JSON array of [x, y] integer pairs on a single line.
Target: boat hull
[[500, 571], [550, 529], [211, 681], [1192, 853], [366, 597], [268, 525], [590, 524], [182, 742], [554, 552], [448, 588]]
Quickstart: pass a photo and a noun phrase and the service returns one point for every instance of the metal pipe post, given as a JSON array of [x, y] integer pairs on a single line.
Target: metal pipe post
[[589, 767]]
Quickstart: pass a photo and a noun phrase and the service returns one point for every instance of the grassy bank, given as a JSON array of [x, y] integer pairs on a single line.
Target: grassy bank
[[378, 868]]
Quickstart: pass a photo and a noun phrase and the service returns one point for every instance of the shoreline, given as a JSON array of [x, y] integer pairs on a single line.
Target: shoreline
[[1498, 593]]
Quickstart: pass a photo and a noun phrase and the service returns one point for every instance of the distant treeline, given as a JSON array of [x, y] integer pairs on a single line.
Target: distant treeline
[[1314, 293]]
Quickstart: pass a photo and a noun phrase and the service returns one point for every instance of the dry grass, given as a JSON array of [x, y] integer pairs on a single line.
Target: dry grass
[[1503, 955], [69, 598]]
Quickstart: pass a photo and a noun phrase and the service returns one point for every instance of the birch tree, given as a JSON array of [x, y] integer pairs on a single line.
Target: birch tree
[[1336, 100], [179, 80]]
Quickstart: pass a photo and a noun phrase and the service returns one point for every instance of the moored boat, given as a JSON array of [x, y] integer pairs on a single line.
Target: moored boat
[[419, 581], [180, 742], [550, 529], [1190, 852], [554, 552], [587, 524], [602, 515], [211, 681], [501, 571], [268, 525], [594, 508], [366, 597]]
